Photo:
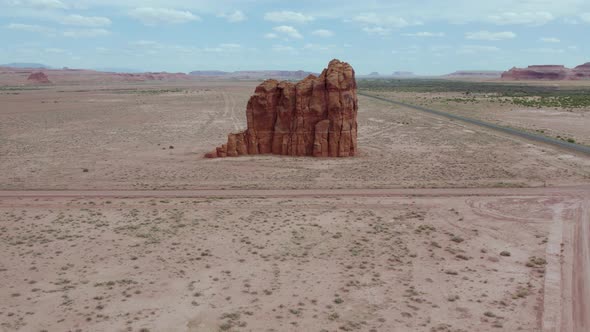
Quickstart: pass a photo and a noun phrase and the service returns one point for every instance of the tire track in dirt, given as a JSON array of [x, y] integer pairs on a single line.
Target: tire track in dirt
[[581, 270], [356, 192], [229, 106], [553, 284]]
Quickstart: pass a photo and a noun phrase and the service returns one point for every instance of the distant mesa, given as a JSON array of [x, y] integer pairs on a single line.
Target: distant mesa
[[314, 117], [582, 71], [210, 73], [403, 74], [374, 74], [25, 65], [491, 74], [253, 74], [119, 70], [38, 78], [151, 76], [548, 72]]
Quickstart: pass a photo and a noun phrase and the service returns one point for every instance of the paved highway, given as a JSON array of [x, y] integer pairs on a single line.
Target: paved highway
[[516, 132]]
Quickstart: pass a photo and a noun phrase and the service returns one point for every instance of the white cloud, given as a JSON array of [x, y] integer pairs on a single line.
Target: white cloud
[[545, 50], [30, 28], [527, 18], [230, 45], [224, 48], [271, 35], [585, 17], [376, 31], [424, 34], [153, 16], [287, 16], [234, 17], [213, 49], [550, 40], [38, 4], [376, 24], [490, 36], [317, 47], [86, 33], [153, 48], [54, 50], [288, 31], [412, 49], [283, 48], [86, 21], [384, 20], [146, 43], [323, 33], [472, 49]]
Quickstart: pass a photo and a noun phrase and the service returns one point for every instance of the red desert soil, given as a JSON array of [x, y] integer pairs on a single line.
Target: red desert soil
[[398, 260], [122, 135], [110, 220]]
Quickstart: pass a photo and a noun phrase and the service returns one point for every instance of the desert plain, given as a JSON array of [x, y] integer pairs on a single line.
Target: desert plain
[[112, 220]]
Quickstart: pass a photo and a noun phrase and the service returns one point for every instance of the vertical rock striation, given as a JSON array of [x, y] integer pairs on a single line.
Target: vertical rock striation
[[314, 117]]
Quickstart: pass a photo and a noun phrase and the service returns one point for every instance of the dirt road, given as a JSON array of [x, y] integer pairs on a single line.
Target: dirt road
[[566, 190], [566, 289], [581, 270]]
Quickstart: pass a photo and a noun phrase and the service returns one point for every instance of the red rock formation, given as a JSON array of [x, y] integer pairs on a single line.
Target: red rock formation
[[314, 117], [38, 78], [582, 71], [543, 72], [548, 72]]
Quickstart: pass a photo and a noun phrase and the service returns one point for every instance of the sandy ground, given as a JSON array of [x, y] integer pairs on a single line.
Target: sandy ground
[[165, 240], [419, 261], [153, 137], [550, 121]]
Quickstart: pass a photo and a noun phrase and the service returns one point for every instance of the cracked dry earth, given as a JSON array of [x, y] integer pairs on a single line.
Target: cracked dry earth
[[352, 263]]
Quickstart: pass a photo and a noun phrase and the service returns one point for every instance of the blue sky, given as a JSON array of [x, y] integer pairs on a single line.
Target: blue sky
[[422, 36]]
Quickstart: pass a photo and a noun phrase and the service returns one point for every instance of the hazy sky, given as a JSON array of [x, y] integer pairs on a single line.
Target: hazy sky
[[423, 36]]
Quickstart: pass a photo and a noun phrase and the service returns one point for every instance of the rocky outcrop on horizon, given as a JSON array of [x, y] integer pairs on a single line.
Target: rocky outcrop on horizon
[[151, 76], [403, 74], [16, 76], [491, 74], [254, 74], [548, 72], [582, 71], [314, 117], [38, 78], [25, 65]]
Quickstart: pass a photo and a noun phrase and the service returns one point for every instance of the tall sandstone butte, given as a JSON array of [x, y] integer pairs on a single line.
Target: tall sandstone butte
[[314, 117]]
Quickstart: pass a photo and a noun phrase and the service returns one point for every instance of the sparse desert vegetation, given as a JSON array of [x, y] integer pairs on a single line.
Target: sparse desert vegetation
[[258, 263], [248, 251], [555, 110]]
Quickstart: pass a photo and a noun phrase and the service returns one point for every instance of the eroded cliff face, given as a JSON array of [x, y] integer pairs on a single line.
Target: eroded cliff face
[[548, 72], [314, 117], [582, 71]]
